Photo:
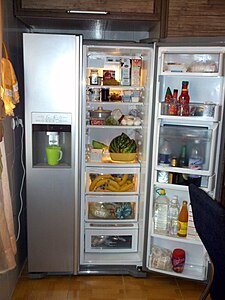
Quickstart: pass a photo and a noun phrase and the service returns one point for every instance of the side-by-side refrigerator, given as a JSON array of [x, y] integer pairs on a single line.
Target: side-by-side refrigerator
[[105, 106]]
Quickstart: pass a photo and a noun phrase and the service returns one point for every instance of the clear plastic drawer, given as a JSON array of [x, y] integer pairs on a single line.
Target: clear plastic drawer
[[108, 208], [112, 180], [111, 240]]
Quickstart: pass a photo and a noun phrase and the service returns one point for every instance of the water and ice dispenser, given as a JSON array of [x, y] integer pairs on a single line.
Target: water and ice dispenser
[[51, 139]]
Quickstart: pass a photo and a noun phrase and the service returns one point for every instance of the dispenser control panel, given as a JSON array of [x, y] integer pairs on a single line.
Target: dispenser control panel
[[51, 118]]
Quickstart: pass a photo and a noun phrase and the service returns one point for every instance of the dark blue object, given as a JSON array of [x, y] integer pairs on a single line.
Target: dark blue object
[[209, 220]]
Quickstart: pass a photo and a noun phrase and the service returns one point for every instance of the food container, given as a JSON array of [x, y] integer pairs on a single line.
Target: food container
[[99, 115], [94, 77], [94, 94], [178, 260], [123, 156]]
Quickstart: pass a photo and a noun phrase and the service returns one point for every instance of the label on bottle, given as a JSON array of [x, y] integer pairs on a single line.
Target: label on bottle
[[178, 264], [164, 159], [161, 213], [195, 164], [182, 228]]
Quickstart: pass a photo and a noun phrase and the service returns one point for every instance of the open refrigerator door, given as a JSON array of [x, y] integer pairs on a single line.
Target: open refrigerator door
[[187, 137]]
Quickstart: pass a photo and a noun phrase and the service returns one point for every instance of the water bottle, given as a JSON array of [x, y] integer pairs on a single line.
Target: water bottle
[[161, 208], [164, 160], [173, 213], [195, 163], [165, 154]]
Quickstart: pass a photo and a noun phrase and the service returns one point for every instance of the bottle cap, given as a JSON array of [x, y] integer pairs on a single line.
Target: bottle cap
[[174, 199], [162, 192]]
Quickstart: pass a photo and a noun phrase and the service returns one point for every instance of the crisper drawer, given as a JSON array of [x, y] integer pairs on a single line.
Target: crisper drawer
[[111, 208], [111, 240], [112, 180]]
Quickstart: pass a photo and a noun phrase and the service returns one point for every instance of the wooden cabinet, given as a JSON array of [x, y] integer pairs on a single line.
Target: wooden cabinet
[[196, 18], [119, 15]]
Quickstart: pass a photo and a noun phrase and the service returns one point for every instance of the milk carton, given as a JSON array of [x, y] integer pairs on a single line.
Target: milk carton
[[125, 71], [136, 72]]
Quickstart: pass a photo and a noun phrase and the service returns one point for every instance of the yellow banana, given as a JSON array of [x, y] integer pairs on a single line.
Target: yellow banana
[[117, 179], [124, 179], [112, 188], [126, 187], [113, 183], [100, 183], [97, 178]]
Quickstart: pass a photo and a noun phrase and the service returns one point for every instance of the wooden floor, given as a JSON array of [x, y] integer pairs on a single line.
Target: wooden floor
[[119, 287]]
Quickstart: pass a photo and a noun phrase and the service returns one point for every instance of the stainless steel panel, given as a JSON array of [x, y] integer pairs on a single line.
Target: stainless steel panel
[[52, 84]]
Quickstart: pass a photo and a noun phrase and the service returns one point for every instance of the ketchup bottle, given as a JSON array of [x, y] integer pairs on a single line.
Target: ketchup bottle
[[184, 97]]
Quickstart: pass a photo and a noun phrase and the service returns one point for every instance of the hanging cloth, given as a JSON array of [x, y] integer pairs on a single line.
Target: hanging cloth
[[7, 235], [9, 85]]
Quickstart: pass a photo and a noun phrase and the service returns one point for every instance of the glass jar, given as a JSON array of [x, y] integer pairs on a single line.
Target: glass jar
[[178, 260], [94, 77]]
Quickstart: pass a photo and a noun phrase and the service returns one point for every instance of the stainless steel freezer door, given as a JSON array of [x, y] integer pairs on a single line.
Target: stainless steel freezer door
[[52, 71]]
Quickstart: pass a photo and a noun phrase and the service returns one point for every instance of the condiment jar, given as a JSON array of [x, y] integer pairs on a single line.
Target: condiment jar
[[178, 260], [94, 77]]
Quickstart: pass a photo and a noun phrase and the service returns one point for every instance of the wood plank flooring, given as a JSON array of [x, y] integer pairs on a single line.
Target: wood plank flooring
[[98, 287]]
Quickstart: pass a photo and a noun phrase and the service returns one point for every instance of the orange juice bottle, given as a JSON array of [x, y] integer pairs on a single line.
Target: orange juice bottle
[[183, 220]]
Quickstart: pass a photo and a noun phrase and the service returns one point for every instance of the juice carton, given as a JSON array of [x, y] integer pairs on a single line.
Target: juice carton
[[135, 72]]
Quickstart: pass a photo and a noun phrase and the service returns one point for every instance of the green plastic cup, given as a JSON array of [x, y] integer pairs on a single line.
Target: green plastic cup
[[54, 155]]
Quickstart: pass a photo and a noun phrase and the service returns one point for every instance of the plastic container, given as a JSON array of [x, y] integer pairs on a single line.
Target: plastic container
[[165, 154], [173, 213], [195, 163], [178, 260], [94, 77], [161, 208]]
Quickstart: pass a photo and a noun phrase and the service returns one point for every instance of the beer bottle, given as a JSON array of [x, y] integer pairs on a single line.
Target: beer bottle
[[183, 220], [183, 163], [173, 177]]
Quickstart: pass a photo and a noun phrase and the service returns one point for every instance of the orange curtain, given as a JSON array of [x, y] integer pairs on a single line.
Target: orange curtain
[[7, 236]]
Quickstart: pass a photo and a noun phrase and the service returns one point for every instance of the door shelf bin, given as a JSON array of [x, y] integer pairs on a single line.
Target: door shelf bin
[[197, 111], [197, 63], [112, 180], [108, 208], [190, 271], [111, 240], [196, 259], [178, 136]]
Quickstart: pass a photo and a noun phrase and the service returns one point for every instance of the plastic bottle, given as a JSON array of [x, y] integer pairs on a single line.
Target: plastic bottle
[[173, 103], [195, 163], [165, 154], [173, 213], [184, 99], [183, 220], [161, 208]]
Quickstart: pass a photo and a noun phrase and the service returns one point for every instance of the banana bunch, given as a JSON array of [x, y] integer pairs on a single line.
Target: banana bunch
[[111, 183]]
